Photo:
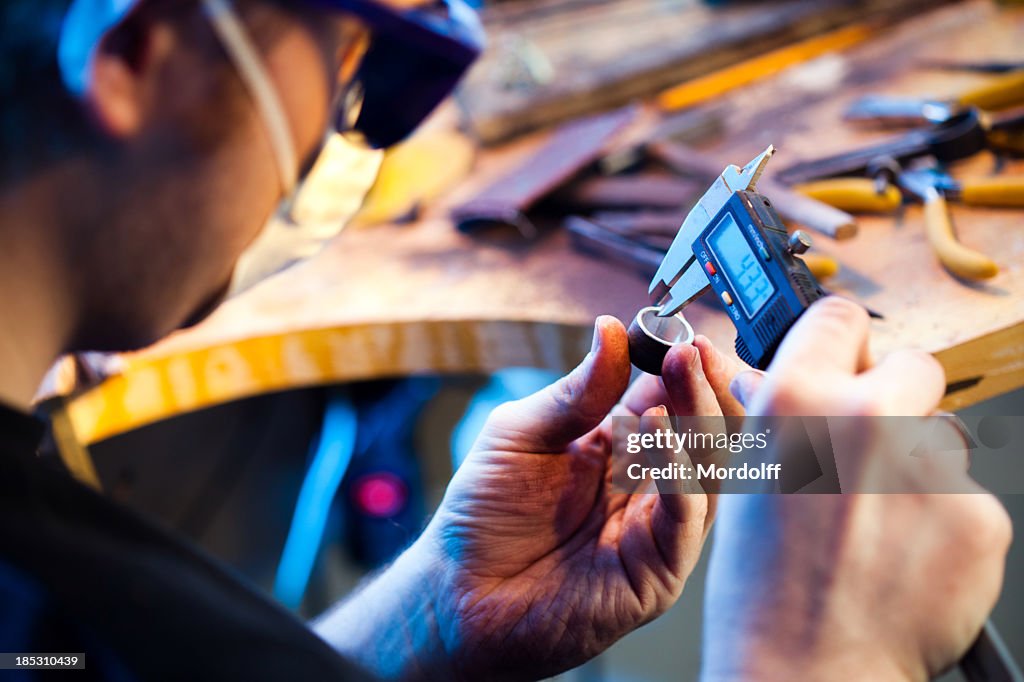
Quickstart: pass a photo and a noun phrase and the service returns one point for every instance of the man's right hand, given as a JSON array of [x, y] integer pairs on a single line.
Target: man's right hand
[[851, 586]]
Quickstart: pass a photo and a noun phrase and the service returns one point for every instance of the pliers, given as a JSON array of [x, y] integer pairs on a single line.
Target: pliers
[[933, 188]]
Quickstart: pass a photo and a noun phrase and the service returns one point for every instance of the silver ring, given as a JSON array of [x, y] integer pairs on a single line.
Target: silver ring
[[651, 335]]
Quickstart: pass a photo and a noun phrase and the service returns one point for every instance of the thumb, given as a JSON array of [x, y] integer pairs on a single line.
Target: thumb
[[550, 419], [745, 384]]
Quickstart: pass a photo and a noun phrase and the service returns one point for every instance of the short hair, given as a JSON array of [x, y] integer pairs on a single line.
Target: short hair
[[41, 122]]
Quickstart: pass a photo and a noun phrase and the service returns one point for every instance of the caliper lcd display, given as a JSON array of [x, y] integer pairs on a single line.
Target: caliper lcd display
[[747, 278]]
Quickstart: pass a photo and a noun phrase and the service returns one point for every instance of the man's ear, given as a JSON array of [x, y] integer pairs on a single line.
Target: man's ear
[[124, 74]]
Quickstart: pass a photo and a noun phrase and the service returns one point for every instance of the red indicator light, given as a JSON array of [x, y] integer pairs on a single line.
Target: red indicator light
[[381, 494]]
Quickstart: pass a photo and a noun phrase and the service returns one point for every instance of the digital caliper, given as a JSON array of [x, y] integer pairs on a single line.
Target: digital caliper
[[734, 242]]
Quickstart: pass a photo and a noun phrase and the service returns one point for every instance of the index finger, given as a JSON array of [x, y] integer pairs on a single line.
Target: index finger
[[831, 336]]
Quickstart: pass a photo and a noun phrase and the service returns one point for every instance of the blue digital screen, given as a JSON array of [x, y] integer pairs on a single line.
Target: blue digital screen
[[747, 278]]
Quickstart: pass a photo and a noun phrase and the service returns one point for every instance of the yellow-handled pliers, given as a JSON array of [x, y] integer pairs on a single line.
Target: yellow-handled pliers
[[933, 188], [854, 195], [864, 195]]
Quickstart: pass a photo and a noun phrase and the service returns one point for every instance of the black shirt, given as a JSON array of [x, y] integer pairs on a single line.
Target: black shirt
[[80, 574]]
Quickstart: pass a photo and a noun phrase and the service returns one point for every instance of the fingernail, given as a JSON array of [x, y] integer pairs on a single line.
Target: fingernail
[[595, 345], [661, 411], [957, 423], [745, 383]]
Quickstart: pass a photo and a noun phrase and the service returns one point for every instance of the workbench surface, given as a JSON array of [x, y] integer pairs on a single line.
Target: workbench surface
[[400, 299]]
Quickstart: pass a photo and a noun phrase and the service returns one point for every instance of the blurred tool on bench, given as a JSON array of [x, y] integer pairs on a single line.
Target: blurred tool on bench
[[957, 138], [933, 188], [997, 105], [973, 67], [998, 93], [912, 164], [507, 198]]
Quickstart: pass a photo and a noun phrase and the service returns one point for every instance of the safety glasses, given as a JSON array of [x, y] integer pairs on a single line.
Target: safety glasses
[[414, 61]]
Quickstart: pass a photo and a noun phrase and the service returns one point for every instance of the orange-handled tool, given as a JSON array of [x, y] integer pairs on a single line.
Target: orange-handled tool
[[998, 190], [856, 195], [863, 195], [998, 92], [932, 187], [958, 259]]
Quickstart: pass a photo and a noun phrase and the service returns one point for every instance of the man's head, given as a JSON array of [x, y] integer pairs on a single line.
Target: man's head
[[161, 167], [158, 159]]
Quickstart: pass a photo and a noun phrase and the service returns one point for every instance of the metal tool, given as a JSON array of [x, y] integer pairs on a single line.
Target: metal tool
[[991, 67], [997, 191], [866, 195], [1000, 92], [933, 187], [898, 111], [1003, 130], [598, 240], [569, 149], [927, 185], [961, 136], [734, 242]]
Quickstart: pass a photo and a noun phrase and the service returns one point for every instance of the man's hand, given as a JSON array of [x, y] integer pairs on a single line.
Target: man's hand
[[545, 566], [533, 564], [852, 586]]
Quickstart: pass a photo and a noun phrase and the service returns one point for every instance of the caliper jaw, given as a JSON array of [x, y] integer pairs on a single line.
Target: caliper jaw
[[678, 281]]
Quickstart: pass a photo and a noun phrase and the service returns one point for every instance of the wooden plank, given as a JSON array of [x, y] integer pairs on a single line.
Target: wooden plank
[[984, 367], [603, 55]]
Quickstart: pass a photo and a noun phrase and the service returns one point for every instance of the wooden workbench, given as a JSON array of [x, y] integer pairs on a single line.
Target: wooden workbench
[[422, 298]]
